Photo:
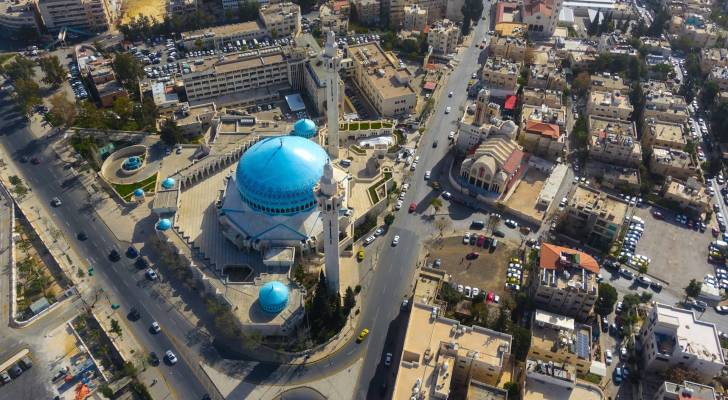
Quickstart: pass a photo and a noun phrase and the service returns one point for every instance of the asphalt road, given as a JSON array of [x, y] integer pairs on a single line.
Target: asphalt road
[[118, 283]]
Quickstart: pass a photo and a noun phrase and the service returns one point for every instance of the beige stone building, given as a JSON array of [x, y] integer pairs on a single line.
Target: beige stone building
[[612, 104], [440, 354], [444, 37], [606, 82], [501, 76], [719, 75], [382, 80], [15, 15], [494, 166], [415, 18], [664, 105], [331, 20], [396, 12], [546, 76], [690, 195], [674, 391], [281, 19], [566, 281], [367, 11], [593, 217], [614, 141], [541, 16], [560, 339], [543, 131], [90, 15], [713, 57], [675, 163], [538, 97], [663, 134], [512, 48]]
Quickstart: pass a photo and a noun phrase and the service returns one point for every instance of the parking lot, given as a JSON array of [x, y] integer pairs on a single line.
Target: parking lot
[[486, 272], [678, 253]]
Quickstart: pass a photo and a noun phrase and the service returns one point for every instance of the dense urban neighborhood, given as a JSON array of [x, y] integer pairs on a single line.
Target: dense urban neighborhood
[[364, 199]]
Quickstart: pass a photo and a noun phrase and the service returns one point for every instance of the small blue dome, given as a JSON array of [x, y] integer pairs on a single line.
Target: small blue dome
[[168, 183], [164, 224], [138, 192], [304, 128], [273, 297], [277, 175]]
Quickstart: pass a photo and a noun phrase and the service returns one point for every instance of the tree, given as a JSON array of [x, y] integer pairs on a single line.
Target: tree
[[170, 133], [513, 389], [581, 83], [642, 269], [27, 94], [693, 288], [521, 341], [20, 68], [580, 132], [436, 203], [450, 295], [115, 327], [128, 70], [53, 70], [681, 374], [708, 94], [607, 297], [64, 111], [658, 23], [349, 300], [389, 219], [106, 391]]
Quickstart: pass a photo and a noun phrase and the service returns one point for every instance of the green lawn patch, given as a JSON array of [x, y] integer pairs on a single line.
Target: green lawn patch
[[387, 124], [344, 127], [376, 125], [357, 150], [364, 126], [375, 186], [354, 126], [591, 378], [127, 190]]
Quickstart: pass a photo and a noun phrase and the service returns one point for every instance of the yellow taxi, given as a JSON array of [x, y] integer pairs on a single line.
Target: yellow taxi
[[360, 255], [363, 334]]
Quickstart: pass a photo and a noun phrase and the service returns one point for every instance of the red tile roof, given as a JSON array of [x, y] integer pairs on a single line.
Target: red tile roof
[[543, 128], [513, 162], [550, 255], [545, 7], [501, 8]]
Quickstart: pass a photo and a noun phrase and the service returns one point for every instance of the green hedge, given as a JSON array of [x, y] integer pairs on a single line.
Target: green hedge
[[126, 191]]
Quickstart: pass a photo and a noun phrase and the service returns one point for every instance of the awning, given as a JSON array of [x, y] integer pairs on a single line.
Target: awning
[[510, 102], [295, 102], [430, 86]]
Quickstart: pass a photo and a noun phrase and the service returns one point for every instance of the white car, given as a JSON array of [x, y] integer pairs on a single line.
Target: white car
[[460, 288], [427, 175], [155, 327], [446, 195], [388, 359], [151, 274], [379, 232], [405, 187], [398, 205], [395, 240], [170, 357], [476, 291], [451, 135], [369, 240], [466, 238], [447, 110], [608, 357], [449, 94]]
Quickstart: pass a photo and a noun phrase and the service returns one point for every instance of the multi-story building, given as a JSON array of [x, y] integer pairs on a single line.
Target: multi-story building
[[663, 134], [513, 48], [560, 339], [719, 76], [89, 15], [685, 390], [656, 46], [664, 105], [593, 217], [395, 12], [541, 16], [382, 80], [415, 18], [443, 36], [672, 336], [567, 281], [675, 163], [546, 76], [181, 7], [609, 104], [606, 82], [435, 9], [315, 74], [440, 354], [245, 78], [500, 76], [689, 195], [17, 15], [367, 11], [713, 57], [281, 19], [493, 167], [543, 130], [539, 97], [614, 141], [331, 20]]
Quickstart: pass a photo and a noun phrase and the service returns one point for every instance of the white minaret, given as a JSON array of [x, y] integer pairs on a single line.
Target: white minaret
[[332, 61], [329, 202]]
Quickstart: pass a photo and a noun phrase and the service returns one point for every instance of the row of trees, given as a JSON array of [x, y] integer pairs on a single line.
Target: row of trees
[[472, 11], [326, 313]]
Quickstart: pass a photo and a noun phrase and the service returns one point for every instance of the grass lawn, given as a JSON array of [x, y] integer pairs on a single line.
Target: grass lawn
[[126, 191]]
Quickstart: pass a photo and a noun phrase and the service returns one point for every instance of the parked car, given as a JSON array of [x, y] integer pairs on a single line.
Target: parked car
[[171, 358], [608, 357], [395, 241]]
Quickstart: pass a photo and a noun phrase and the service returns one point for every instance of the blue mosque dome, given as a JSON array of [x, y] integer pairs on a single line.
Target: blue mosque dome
[[304, 128], [138, 192], [168, 183], [164, 224], [278, 174], [273, 297]]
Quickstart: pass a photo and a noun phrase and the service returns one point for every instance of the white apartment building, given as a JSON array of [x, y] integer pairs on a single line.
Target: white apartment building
[[672, 336], [443, 37], [415, 18], [610, 104], [90, 15]]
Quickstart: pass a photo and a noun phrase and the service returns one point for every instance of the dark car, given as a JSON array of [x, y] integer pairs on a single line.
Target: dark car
[[656, 286], [35, 160], [114, 255], [82, 236], [499, 234], [472, 256], [134, 314], [15, 371], [142, 262], [132, 252], [153, 359]]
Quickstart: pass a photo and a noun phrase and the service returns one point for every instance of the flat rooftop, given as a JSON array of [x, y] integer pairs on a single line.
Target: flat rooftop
[[598, 202], [428, 284], [224, 30], [603, 127], [675, 158], [693, 335], [609, 82], [666, 131], [610, 99], [238, 61], [536, 390], [425, 333], [381, 70]]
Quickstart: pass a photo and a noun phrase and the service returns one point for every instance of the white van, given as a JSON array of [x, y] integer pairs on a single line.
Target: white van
[[637, 219]]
